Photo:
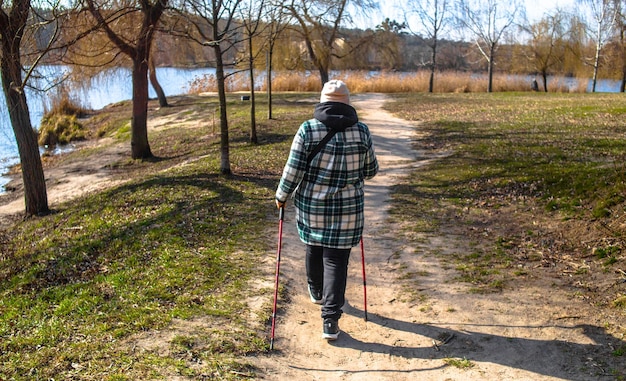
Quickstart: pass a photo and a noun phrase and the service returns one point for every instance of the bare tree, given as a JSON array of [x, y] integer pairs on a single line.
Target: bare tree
[[213, 24], [433, 16], [251, 16], [487, 20], [603, 15], [130, 26], [277, 23], [621, 36], [546, 47], [18, 27], [319, 24]]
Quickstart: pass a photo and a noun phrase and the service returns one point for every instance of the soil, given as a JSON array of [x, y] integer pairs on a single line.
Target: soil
[[422, 322]]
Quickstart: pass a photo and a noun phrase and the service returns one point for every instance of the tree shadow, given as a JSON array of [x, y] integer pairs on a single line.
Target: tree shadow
[[81, 257], [555, 358]]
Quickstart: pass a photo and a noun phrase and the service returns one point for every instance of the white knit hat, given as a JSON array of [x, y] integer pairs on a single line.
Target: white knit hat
[[335, 91]]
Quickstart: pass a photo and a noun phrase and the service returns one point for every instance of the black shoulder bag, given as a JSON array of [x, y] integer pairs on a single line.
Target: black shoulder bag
[[320, 145]]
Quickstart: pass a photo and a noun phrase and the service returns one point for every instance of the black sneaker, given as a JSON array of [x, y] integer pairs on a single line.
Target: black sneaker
[[315, 295], [331, 329]]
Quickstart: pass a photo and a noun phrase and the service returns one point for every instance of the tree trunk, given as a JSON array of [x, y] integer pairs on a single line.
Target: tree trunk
[[490, 76], [253, 135], [140, 148], [35, 194], [544, 77], [622, 86], [433, 63], [596, 66], [269, 83], [224, 140], [324, 77], [155, 83]]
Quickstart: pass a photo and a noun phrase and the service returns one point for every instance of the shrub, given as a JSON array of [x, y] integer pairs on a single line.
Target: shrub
[[60, 129], [60, 125]]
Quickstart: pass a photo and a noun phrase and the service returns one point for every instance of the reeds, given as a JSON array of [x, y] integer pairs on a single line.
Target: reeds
[[384, 82]]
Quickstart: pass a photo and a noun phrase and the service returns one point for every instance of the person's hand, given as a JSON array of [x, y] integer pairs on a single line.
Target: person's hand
[[280, 204]]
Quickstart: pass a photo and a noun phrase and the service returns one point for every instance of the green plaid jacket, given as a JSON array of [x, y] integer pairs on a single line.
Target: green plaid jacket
[[329, 196]]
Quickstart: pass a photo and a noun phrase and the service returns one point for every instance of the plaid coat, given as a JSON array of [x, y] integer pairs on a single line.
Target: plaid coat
[[329, 195]]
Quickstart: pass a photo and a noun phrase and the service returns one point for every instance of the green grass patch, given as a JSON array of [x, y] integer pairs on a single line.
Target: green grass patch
[[504, 158], [81, 286], [459, 363]]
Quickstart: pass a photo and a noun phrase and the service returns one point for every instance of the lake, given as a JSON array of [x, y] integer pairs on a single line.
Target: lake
[[103, 90]]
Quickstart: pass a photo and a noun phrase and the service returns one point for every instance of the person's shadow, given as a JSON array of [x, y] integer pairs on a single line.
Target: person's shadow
[[554, 358]]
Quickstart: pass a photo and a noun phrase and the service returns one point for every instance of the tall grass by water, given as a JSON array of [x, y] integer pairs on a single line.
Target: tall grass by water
[[385, 82]]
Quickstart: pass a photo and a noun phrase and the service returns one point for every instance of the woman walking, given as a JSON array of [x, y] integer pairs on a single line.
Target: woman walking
[[331, 156]]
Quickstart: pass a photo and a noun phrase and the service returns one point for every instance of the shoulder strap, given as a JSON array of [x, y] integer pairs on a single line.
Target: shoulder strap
[[320, 145]]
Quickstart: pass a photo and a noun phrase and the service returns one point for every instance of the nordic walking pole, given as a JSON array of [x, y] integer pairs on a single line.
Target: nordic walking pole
[[281, 215], [364, 282]]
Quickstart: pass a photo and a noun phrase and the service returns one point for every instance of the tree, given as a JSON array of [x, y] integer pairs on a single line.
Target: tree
[[433, 17], [14, 29], [132, 34], [319, 24], [487, 20], [154, 81], [251, 16], [621, 32], [604, 17], [213, 24], [387, 41], [277, 23], [546, 46]]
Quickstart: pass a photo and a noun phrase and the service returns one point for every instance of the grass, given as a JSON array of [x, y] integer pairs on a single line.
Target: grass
[[60, 124], [518, 172], [89, 291], [81, 287], [459, 363]]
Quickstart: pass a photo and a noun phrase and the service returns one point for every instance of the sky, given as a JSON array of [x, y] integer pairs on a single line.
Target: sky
[[535, 9]]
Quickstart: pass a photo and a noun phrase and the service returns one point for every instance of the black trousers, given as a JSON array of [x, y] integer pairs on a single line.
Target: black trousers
[[327, 270]]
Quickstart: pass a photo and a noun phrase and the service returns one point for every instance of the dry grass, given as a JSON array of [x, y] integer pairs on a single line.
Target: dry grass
[[62, 104], [382, 82]]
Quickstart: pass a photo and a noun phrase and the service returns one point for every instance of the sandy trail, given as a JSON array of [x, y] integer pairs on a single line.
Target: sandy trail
[[418, 323]]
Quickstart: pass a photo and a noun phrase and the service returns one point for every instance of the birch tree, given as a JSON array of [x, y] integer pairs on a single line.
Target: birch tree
[[602, 20]]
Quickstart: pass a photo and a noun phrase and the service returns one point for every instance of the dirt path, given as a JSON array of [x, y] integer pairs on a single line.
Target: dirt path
[[422, 324]]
